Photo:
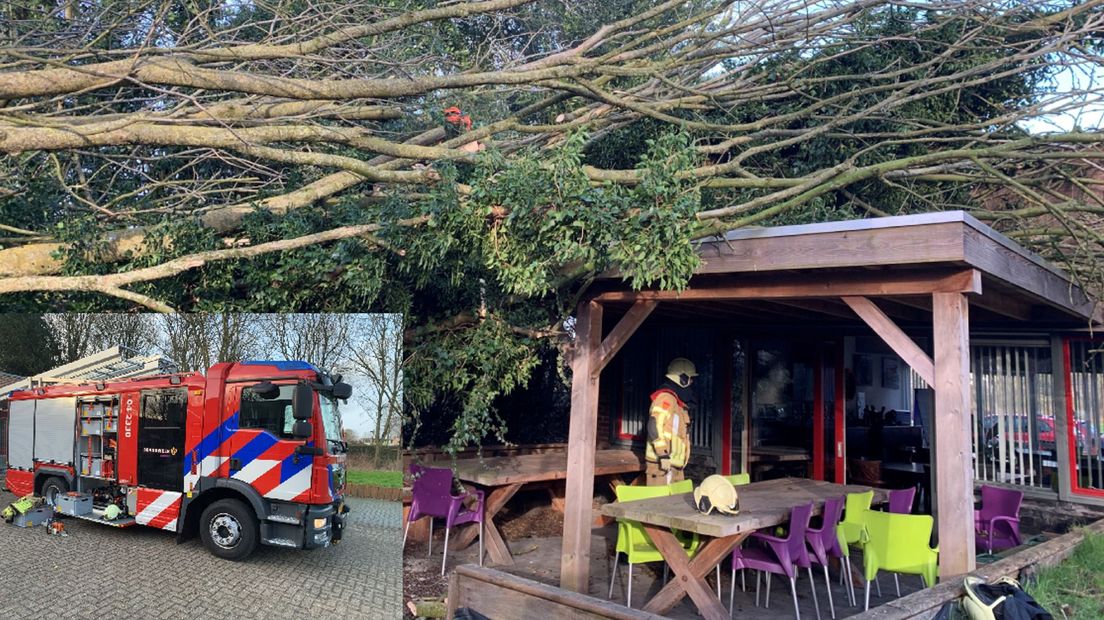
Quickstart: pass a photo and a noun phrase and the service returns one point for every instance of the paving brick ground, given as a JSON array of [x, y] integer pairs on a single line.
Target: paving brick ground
[[100, 572]]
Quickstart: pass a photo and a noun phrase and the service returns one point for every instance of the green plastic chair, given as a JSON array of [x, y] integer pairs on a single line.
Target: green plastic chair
[[738, 479], [898, 543], [682, 486], [850, 531], [632, 540]]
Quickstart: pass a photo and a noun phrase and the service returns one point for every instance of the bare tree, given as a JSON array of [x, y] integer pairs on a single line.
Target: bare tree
[[377, 353], [80, 334], [321, 339], [213, 113], [198, 341], [72, 333]]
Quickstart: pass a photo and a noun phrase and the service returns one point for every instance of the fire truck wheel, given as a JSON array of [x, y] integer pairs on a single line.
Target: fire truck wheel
[[229, 529], [52, 488]]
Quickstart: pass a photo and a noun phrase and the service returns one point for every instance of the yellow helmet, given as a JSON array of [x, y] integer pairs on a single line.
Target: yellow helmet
[[681, 370], [717, 492]]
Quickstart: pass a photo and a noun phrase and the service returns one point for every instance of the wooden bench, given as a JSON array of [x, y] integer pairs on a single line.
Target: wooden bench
[[498, 595]]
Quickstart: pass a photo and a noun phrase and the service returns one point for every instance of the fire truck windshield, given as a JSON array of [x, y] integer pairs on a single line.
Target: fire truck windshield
[[331, 420]]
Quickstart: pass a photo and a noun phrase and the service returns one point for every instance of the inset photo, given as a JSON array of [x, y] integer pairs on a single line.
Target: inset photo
[[180, 462]]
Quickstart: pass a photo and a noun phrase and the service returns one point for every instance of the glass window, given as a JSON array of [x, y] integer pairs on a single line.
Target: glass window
[[1013, 425], [273, 414], [164, 409], [1087, 380], [331, 417]]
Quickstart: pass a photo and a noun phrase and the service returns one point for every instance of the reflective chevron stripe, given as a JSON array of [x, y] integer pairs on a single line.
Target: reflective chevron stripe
[[157, 508]]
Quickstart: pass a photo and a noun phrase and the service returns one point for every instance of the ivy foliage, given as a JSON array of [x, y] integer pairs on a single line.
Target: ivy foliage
[[547, 216]]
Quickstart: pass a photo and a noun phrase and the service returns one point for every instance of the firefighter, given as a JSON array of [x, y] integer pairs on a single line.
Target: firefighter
[[457, 123], [668, 447]]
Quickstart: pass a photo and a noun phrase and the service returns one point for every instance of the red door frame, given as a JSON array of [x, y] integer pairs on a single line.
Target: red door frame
[[839, 401], [1071, 423]]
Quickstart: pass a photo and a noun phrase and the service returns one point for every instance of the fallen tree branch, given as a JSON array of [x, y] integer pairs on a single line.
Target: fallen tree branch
[[112, 284]]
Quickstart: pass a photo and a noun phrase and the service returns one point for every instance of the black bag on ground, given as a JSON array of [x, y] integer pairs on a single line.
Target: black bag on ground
[[466, 613], [1003, 599]]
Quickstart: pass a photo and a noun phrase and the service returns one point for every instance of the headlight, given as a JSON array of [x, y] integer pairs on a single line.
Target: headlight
[[320, 523]]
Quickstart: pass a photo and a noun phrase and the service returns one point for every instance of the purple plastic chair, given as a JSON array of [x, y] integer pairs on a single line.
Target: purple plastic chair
[[433, 498], [997, 523], [780, 556], [900, 500], [824, 544]]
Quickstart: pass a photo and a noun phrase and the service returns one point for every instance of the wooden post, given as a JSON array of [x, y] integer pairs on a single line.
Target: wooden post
[[953, 452], [1062, 446], [579, 495]]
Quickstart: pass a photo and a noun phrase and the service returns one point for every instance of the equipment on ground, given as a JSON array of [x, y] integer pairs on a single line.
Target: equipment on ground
[[1000, 600]]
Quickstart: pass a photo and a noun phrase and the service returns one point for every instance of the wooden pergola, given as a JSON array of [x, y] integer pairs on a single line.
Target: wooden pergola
[[947, 270]]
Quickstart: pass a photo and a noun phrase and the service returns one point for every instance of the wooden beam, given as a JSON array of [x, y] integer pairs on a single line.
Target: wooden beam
[[918, 282], [897, 308], [620, 334], [892, 335], [818, 306], [835, 244], [1010, 263], [581, 435], [953, 452], [1005, 304]]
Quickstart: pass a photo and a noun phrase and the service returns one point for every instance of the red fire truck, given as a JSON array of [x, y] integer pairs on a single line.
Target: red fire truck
[[249, 453]]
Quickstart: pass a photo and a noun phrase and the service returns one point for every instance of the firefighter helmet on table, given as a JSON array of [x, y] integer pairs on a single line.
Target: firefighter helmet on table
[[681, 371], [112, 512], [717, 492]]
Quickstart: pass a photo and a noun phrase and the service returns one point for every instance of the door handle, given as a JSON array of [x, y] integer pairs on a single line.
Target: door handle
[[235, 464]]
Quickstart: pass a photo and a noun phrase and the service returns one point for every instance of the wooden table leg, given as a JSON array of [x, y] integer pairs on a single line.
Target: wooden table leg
[[556, 490], [690, 574], [497, 550]]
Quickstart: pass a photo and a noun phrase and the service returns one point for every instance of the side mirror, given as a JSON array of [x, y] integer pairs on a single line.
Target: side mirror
[[336, 378], [342, 391], [302, 402], [266, 390], [302, 430]]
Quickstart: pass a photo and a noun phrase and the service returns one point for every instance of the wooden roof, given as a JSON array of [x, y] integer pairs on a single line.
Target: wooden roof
[[795, 273]]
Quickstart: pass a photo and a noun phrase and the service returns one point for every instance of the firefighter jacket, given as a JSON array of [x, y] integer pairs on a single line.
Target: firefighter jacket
[[668, 428]]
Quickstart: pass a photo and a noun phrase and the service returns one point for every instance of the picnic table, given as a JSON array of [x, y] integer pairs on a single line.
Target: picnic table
[[503, 476], [762, 505]]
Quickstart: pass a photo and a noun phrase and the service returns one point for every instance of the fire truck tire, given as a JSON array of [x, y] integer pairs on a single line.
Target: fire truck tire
[[228, 528], [52, 488]]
